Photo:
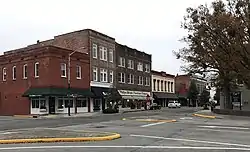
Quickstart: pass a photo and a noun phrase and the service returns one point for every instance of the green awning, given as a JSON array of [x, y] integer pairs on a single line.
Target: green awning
[[53, 91]]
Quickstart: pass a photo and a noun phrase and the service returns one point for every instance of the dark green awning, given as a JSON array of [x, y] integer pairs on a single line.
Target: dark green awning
[[53, 91]]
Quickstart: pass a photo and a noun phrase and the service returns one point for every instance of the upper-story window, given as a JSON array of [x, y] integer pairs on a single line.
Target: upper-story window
[[169, 87], [25, 71], [103, 53], [158, 85], [140, 80], [111, 76], [94, 50], [131, 79], [162, 85], [154, 84], [147, 68], [103, 75], [111, 55], [121, 77], [36, 69], [122, 62], [165, 84], [4, 74], [130, 64], [63, 70], [78, 72], [140, 66], [147, 81], [172, 86], [95, 74], [14, 72]]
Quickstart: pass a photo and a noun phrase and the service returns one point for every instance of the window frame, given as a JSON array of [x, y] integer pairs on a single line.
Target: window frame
[[63, 70], [140, 80], [14, 72], [130, 64], [4, 70], [111, 76], [78, 71], [36, 70], [139, 66], [121, 75], [147, 81], [147, 68], [94, 49], [25, 71], [95, 72], [121, 59], [111, 55], [131, 79], [103, 75]]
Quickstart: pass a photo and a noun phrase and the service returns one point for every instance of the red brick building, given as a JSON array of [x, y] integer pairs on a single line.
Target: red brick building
[[33, 80]]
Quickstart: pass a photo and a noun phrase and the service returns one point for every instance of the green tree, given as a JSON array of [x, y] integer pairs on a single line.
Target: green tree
[[217, 95], [112, 97], [204, 98], [193, 93], [218, 42]]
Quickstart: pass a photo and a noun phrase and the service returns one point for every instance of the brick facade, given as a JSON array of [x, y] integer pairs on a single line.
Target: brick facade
[[49, 59]]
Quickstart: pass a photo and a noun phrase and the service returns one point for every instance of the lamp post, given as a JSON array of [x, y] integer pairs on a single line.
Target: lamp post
[[69, 62]]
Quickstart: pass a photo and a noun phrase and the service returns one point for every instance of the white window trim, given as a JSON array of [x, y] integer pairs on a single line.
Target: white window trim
[[120, 62], [147, 81], [4, 74], [139, 82], [111, 51], [25, 76], [139, 66], [122, 76], [94, 47], [130, 64], [103, 72], [103, 50], [95, 70], [65, 66], [131, 77], [13, 75], [147, 68], [36, 70], [80, 72], [111, 73]]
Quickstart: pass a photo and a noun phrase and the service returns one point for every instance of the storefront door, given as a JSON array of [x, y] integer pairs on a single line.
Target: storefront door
[[52, 106]]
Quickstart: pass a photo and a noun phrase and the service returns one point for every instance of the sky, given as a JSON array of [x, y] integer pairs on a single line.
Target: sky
[[152, 26]]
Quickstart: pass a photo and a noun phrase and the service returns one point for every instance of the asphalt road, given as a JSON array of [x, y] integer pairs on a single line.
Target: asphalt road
[[187, 134]]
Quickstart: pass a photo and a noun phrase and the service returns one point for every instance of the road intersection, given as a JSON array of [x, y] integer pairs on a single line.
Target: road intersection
[[187, 133]]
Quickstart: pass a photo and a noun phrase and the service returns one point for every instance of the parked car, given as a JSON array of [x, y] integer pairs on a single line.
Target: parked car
[[154, 106], [174, 104]]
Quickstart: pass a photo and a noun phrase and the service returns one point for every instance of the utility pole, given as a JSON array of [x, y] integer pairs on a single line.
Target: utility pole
[[69, 82]]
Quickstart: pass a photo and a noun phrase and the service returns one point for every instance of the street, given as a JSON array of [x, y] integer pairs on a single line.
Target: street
[[188, 133]]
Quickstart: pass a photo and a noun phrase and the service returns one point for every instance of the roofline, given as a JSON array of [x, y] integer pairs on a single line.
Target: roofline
[[86, 31], [116, 43], [160, 73]]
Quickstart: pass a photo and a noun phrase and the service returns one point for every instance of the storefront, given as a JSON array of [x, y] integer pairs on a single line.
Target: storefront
[[100, 97], [52, 100], [162, 98], [134, 98]]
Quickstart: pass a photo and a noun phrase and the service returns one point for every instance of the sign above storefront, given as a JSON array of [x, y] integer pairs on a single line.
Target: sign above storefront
[[133, 93]]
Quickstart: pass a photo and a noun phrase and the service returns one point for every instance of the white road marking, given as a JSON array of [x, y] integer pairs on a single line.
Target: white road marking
[[143, 147], [152, 124], [216, 130], [7, 133], [186, 118], [192, 140], [225, 127]]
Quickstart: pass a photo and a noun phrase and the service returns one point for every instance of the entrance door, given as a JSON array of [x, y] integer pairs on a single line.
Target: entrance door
[[52, 106]]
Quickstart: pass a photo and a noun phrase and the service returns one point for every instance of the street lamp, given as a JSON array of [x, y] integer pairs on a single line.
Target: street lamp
[[70, 54]]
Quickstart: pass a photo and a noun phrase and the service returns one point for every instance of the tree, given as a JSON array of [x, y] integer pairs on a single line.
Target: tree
[[217, 95], [218, 42], [193, 93], [112, 98], [204, 98]]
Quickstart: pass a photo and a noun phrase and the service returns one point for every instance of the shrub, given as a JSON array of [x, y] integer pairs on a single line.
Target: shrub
[[110, 110]]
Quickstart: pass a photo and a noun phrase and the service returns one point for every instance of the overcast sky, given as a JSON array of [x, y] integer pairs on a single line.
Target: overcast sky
[[152, 26]]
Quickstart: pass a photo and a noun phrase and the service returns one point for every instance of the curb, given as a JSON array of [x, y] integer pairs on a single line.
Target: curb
[[155, 120], [26, 116], [50, 140], [132, 111], [204, 116]]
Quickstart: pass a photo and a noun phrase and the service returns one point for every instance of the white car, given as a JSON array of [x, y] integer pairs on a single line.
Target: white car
[[174, 104]]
